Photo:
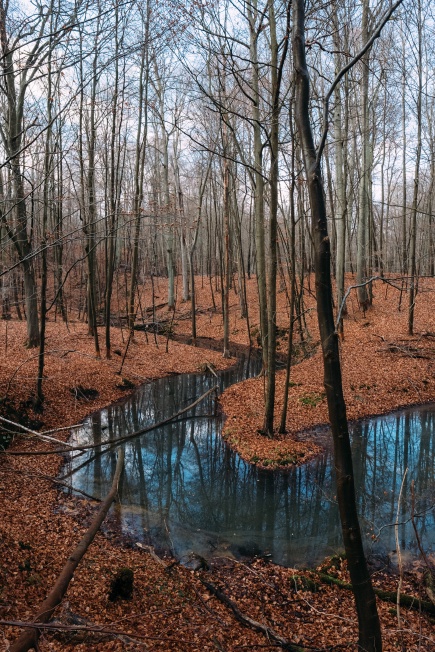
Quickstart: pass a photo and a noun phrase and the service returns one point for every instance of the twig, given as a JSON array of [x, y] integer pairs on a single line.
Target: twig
[[29, 359], [376, 34], [88, 628], [360, 285]]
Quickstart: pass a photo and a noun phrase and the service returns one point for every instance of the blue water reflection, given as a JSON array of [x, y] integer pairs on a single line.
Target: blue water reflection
[[184, 490]]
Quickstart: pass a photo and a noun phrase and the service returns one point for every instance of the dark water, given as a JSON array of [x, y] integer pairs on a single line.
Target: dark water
[[183, 490]]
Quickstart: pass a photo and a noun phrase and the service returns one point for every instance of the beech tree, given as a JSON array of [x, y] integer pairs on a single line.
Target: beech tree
[[16, 78], [370, 639]]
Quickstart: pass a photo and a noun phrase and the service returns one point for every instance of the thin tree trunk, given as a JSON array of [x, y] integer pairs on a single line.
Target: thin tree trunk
[[340, 212], [283, 426], [365, 181], [113, 202], [45, 209], [276, 68], [226, 261], [260, 252], [368, 620], [413, 238], [142, 129]]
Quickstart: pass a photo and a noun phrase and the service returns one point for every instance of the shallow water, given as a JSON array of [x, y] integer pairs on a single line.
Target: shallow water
[[183, 490]]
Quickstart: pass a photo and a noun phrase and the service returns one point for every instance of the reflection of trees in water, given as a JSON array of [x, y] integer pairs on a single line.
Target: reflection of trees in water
[[383, 450], [183, 478]]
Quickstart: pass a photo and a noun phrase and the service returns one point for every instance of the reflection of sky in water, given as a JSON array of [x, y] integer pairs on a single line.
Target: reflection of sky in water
[[183, 488]]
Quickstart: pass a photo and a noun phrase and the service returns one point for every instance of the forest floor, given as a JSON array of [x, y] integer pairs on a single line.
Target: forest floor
[[172, 607]]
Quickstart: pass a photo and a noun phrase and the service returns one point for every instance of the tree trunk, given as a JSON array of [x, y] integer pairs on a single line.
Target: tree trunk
[[365, 181], [340, 204], [141, 135], [276, 68], [368, 620], [29, 638], [413, 238], [260, 252]]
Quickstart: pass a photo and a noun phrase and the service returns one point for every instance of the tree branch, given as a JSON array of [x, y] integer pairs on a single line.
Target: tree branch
[[376, 34]]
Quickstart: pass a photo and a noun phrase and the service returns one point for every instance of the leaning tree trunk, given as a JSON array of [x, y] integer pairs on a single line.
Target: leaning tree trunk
[[368, 620], [29, 639]]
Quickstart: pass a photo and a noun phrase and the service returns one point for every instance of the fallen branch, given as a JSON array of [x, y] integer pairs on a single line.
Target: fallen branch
[[409, 351], [110, 449], [211, 370], [250, 622], [116, 442], [150, 551], [428, 575], [50, 478], [29, 638], [96, 629], [388, 596], [76, 629], [40, 435]]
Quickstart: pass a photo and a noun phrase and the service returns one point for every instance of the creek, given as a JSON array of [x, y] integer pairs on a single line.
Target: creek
[[183, 490]]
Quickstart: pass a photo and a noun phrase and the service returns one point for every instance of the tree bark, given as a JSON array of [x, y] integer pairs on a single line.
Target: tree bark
[[276, 68], [368, 620], [260, 251], [413, 238], [365, 181]]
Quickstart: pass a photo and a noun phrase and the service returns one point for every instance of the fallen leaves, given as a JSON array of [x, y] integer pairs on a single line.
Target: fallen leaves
[[39, 527]]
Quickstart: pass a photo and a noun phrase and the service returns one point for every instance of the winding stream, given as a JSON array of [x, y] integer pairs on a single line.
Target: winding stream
[[184, 490]]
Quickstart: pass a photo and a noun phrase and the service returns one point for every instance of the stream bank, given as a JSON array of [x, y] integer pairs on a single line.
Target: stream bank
[[171, 605]]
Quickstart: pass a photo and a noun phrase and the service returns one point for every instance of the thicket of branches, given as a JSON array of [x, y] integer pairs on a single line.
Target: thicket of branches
[[145, 139]]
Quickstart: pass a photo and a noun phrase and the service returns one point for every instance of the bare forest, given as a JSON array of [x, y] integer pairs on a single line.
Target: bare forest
[[217, 212]]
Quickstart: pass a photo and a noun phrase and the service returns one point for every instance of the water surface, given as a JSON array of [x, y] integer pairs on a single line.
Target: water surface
[[184, 490]]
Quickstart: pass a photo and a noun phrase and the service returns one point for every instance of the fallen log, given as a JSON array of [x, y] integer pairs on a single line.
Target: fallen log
[[250, 622], [29, 638], [388, 596]]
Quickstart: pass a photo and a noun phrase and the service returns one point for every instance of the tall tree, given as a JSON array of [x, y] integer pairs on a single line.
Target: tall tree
[[370, 639], [276, 71], [415, 196]]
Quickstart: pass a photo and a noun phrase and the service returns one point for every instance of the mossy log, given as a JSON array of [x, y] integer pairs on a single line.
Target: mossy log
[[409, 601]]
